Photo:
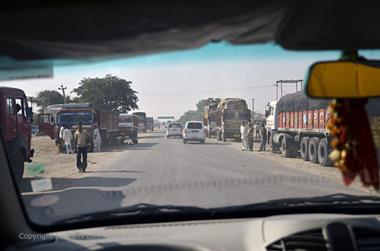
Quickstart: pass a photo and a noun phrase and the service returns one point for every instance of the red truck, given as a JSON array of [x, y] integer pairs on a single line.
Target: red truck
[[16, 128], [70, 115], [298, 126]]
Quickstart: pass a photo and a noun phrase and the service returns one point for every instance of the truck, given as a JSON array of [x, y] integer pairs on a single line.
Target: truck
[[228, 116], [209, 119], [150, 123], [16, 128], [297, 125], [129, 126], [56, 116], [142, 121]]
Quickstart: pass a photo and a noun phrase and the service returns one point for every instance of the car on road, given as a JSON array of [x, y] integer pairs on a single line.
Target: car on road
[[194, 131], [174, 130]]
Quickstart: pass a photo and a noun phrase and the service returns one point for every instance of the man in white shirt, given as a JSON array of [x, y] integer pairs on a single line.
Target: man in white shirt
[[67, 137], [244, 136], [97, 139]]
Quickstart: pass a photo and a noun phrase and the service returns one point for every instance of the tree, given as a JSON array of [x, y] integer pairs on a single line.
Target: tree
[[204, 102], [190, 115], [47, 97], [108, 93]]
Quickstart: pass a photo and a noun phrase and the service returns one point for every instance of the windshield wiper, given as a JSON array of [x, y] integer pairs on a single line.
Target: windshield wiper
[[328, 200], [141, 209]]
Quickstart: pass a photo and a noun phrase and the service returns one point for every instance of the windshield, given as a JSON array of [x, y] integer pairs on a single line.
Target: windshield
[[213, 164], [73, 118], [194, 126], [125, 119], [174, 126]]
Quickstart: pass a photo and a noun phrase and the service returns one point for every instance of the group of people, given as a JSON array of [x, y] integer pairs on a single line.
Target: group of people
[[80, 140], [247, 132]]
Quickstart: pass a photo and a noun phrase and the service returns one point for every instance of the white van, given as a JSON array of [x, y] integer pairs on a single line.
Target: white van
[[194, 131]]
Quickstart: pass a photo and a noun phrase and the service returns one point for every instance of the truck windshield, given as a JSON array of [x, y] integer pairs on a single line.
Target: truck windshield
[[229, 115], [244, 116], [125, 119], [73, 118]]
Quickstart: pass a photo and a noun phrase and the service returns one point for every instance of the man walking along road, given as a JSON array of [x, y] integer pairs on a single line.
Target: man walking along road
[[68, 137], [81, 144], [263, 137], [257, 130], [250, 136], [244, 136], [97, 139]]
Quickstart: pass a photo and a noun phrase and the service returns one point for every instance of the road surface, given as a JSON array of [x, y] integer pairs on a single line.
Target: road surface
[[166, 171]]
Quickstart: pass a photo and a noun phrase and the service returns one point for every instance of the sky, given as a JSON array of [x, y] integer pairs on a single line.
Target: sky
[[169, 84]]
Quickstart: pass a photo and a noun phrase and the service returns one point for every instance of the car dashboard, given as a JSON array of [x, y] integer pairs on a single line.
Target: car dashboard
[[276, 233]]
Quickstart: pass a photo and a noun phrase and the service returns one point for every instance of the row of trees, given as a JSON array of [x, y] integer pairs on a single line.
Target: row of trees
[[198, 113], [108, 93]]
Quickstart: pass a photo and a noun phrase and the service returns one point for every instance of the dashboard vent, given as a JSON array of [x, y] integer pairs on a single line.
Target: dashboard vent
[[305, 241], [367, 239]]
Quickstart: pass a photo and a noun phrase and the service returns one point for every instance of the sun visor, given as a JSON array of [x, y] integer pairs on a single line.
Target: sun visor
[[15, 70]]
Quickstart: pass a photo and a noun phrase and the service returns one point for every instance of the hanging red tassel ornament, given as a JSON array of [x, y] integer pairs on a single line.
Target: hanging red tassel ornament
[[354, 151]]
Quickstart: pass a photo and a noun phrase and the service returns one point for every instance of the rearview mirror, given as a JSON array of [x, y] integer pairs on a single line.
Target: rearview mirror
[[344, 79]]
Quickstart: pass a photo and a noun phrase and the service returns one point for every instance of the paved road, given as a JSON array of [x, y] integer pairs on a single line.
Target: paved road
[[166, 171]]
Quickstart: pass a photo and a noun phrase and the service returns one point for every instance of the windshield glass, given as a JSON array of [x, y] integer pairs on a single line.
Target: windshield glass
[[194, 126], [213, 164], [174, 126], [73, 118], [125, 119]]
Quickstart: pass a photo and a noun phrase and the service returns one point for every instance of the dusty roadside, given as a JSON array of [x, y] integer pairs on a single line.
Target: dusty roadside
[[64, 165]]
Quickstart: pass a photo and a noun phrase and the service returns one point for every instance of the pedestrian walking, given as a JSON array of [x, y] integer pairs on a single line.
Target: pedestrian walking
[[243, 133], [61, 142], [268, 138], [263, 137], [250, 136], [68, 137], [81, 140], [257, 130], [97, 139]]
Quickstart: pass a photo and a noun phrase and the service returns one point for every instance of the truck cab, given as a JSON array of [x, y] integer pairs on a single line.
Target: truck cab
[[16, 128]]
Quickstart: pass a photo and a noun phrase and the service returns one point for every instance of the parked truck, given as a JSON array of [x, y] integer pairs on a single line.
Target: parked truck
[[142, 121], [150, 123], [228, 115], [16, 128], [297, 126], [129, 126], [72, 114]]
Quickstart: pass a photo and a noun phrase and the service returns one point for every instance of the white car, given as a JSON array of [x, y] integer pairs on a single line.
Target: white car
[[194, 131], [174, 130]]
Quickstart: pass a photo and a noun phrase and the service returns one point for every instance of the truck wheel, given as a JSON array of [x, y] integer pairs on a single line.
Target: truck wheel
[[313, 150], [323, 153], [18, 164], [304, 148], [286, 150]]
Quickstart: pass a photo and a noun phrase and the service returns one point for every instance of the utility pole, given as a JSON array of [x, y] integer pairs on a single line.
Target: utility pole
[[63, 88], [253, 110]]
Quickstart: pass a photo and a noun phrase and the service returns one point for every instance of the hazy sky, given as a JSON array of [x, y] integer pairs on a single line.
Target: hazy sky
[[172, 83]]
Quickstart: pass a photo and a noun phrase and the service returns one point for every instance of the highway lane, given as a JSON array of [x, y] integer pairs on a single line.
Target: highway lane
[[166, 171]]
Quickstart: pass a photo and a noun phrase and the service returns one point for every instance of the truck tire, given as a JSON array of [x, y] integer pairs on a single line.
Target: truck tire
[[304, 148], [313, 150], [286, 152], [323, 153], [18, 164]]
